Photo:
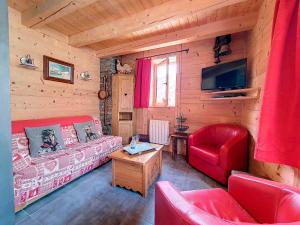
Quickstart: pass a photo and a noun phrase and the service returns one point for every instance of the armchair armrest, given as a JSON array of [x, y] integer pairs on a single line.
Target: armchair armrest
[[260, 197], [171, 208], [234, 153]]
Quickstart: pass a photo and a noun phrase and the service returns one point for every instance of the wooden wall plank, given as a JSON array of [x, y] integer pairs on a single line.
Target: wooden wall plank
[[210, 30], [50, 10], [199, 113], [31, 96], [258, 50], [148, 18]]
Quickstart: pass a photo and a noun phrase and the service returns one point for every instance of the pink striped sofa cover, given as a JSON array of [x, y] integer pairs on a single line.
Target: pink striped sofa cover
[[36, 177]]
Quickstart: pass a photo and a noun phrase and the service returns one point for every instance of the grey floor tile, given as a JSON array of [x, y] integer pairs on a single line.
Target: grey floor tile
[[29, 221], [91, 200], [21, 215]]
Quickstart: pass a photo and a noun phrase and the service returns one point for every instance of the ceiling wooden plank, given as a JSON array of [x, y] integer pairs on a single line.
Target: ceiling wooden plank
[[210, 30], [148, 18], [50, 10]]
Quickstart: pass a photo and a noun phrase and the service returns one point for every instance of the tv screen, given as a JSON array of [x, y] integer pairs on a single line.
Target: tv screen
[[232, 75]]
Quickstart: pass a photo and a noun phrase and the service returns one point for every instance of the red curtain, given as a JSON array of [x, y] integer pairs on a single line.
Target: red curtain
[[142, 83], [279, 128]]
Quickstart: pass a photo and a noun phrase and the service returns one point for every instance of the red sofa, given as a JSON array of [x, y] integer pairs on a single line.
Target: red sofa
[[249, 201], [218, 149], [36, 177]]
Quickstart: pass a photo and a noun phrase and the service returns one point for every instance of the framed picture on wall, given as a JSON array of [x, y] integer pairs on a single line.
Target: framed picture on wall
[[57, 70]]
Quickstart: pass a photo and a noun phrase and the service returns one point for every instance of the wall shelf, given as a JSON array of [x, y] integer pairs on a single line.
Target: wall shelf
[[28, 66], [250, 94]]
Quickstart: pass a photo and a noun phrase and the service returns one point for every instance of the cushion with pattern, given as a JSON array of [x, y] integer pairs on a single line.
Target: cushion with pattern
[[86, 131], [44, 139]]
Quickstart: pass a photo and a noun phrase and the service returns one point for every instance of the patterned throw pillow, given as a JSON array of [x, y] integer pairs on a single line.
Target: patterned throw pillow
[[86, 131], [44, 139]]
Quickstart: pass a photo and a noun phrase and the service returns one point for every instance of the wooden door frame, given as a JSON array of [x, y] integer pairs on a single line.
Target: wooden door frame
[[7, 209]]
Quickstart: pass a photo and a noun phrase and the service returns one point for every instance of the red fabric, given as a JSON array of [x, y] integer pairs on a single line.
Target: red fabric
[[20, 125], [256, 195], [278, 136], [218, 203], [249, 197], [142, 83], [207, 153], [218, 149]]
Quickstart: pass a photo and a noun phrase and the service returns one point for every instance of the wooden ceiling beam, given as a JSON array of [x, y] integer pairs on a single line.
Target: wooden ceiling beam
[[148, 18], [50, 10], [210, 30]]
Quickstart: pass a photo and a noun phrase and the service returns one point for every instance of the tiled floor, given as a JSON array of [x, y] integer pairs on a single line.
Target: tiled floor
[[91, 200]]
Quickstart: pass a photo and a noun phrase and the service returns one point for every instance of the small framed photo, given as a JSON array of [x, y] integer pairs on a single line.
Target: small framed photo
[[57, 70]]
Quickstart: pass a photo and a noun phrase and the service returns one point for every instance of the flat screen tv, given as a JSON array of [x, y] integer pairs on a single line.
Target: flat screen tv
[[226, 76]]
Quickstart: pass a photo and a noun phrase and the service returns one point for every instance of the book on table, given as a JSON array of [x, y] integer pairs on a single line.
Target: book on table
[[140, 148]]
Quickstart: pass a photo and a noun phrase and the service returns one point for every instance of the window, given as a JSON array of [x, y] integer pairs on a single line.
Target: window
[[163, 83]]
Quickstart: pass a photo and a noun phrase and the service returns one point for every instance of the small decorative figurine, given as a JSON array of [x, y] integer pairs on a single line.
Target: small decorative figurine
[[125, 69], [85, 76], [27, 60]]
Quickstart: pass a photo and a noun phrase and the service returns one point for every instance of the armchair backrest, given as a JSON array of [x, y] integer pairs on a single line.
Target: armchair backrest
[[288, 207], [266, 201], [222, 133]]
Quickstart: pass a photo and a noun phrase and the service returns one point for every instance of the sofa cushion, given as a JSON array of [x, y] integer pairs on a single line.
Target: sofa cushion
[[69, 135], [208, 153], [98, 126], [218, 203], [44, 139], [86, 131]]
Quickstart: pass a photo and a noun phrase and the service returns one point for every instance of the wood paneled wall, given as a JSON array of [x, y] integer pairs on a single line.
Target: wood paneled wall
[[254, 45], [258, 50], [33, 97], [188, 101]]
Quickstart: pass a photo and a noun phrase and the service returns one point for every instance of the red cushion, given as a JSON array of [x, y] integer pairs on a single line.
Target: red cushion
[[218, 203], [207, 153], [19, 126]]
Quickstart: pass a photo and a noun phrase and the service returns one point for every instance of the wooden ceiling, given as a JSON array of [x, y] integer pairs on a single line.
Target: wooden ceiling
[[106, 24]]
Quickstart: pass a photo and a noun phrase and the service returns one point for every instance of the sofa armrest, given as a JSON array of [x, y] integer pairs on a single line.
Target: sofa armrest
[[234, 153], [171, 208], [260, 197]]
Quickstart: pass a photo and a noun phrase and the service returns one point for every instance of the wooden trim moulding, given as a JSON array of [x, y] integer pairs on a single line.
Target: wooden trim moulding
[[210, 30], [148, 18], [50, 10]]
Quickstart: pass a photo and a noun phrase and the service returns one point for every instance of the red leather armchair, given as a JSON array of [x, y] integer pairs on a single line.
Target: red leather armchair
[[249, 201], [218, 149]]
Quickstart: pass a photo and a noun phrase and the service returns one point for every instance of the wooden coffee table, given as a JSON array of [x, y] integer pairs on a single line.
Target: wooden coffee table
[[136, 172]]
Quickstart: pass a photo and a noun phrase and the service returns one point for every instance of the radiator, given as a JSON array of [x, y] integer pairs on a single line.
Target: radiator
[[159, 132]]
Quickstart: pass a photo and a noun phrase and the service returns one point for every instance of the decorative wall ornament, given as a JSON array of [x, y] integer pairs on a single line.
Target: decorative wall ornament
[[85, 76], [27, 62], [222, 47], [57, 70], [125, 69], [103, 93]]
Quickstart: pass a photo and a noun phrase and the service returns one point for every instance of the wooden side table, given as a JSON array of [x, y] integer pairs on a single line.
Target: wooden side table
[[181, 136], [136, 172]]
